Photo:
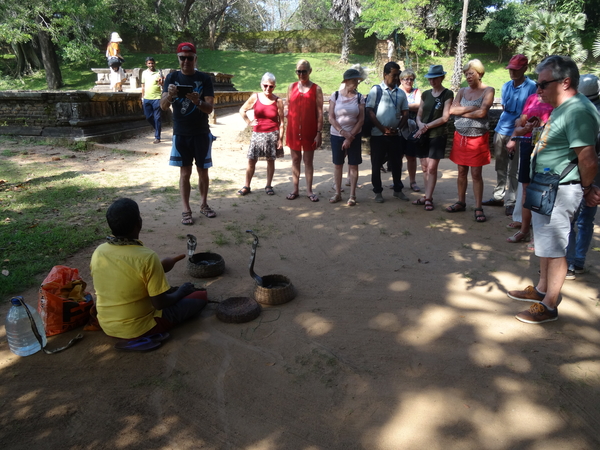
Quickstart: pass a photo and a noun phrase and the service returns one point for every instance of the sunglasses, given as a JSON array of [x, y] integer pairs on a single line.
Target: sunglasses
[[544, 84], [268, 86], [186, 58], [408, 79], [301, 72]]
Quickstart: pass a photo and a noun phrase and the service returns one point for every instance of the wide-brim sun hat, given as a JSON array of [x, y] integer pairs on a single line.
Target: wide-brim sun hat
[[114, 37], [352, 74], [435, 70]]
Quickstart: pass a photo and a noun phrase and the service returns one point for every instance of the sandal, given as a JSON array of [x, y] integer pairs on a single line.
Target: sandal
[[414, 187], [514, 226], [269, 190], [186, 218], [457, 207], [208, 211], [479, 217], [351, 201], [243, 191], [518, 237], [292, 196], [429, 204], [336, 198], [313, 197], [419, 201]]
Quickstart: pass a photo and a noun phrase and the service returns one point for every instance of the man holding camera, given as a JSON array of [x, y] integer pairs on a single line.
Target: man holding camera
[[191, 95]]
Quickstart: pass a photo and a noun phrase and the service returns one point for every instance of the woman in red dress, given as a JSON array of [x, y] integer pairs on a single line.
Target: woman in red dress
[[304, 128]]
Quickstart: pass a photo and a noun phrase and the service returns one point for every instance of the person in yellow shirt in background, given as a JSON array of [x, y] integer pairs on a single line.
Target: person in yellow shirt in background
[[133, 297], [152, 81]]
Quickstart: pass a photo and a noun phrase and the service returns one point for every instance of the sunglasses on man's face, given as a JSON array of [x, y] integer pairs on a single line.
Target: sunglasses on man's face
[[268, 86], [544, 84], [186, 58], [301, 72]]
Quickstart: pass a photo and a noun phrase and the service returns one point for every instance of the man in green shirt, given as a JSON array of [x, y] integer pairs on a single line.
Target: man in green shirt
[[152, 81], [569, 135]]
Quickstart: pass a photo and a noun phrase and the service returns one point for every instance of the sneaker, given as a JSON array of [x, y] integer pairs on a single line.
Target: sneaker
[[529, 294], [400, 195], [493, 202], [379, 198], [578, 269], [570, 275], [538, 313]]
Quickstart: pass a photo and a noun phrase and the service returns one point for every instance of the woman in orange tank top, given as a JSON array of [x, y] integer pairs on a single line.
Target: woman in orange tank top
[[305, 126]]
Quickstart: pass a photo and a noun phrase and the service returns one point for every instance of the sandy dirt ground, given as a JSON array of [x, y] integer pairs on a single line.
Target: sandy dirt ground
[[401, 335]]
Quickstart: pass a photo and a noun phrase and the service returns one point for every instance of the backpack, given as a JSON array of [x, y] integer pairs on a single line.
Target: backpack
[[368, 125]]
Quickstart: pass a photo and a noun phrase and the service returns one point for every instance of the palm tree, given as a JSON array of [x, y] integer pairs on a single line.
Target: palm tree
[[345, 11], [460, 49], [554, 34]]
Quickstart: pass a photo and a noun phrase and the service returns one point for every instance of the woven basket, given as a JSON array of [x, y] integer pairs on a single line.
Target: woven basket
[[276, 289], [198, 270], [238, 310]]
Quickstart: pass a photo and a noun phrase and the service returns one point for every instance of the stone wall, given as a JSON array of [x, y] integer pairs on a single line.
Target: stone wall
[[79, 115]]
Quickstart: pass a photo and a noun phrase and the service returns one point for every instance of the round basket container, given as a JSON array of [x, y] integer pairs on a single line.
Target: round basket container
[[205, 265], [238, 310], [276, 289]]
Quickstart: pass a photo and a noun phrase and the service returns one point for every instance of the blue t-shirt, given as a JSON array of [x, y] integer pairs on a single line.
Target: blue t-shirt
[[513, 100], [391, 105], [188, 120]]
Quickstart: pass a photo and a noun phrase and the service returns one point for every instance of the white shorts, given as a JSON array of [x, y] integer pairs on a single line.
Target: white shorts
[[552, 232]]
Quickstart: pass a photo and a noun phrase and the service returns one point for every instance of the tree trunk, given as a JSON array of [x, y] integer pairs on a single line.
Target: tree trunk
[[27, 58], [435, 31], [460, 49], [212, 31], [50, 59], [449, 46], [346, 41]]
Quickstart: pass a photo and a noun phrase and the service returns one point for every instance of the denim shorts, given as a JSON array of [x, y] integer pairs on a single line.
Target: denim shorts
[[552, 232]]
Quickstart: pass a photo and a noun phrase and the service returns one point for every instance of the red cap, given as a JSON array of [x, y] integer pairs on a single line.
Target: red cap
[[517, 62], [186, 47]]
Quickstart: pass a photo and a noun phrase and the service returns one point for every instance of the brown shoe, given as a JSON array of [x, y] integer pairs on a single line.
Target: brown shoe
[[538, 313], [529, 294], [156, 141]]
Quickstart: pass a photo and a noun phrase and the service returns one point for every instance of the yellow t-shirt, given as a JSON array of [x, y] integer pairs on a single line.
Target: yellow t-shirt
[[125, 277]]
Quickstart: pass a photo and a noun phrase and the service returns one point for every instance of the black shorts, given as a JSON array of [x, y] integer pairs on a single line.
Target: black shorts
[[186, 149], [354, 152], [434, 148]]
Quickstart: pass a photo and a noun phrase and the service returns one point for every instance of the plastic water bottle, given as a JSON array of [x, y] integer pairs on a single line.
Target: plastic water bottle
[[21, 340]]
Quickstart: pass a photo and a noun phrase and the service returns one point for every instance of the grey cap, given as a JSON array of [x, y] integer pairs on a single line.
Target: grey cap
[[352, 74], [589, 85], [435, 70]]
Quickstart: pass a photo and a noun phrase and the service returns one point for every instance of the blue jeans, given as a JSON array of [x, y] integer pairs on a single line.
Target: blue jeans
[[579, 243], [153, 115]]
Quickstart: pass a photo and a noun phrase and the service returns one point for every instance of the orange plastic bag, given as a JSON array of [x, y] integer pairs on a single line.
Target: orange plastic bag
[[63, 302]]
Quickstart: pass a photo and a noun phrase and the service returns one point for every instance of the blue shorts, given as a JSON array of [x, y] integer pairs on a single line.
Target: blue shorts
[[354, 152], [186, 149]]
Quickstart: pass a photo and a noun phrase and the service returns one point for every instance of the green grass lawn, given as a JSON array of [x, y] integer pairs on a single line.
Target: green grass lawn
[[248, 67]]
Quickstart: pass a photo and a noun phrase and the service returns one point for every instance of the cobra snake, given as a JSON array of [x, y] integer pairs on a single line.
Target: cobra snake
[[258, 279]]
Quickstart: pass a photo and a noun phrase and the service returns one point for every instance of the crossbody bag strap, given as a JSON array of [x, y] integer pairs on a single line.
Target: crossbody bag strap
[[37, 335]]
